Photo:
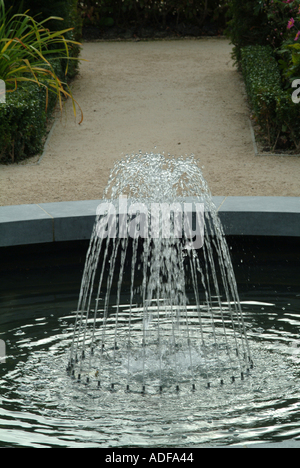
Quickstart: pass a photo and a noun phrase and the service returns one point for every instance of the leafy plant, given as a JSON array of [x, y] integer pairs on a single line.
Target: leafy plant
[[43, 9], [97, 13], [247, 25], [278, 14], [23, 122], [273, 108], [26, 47], [289, 52]]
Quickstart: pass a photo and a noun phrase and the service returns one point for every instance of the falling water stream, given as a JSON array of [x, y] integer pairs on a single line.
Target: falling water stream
[[162, 338]]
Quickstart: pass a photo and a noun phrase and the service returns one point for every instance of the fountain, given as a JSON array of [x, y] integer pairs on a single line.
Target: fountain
[[158, 351], [158, 308]]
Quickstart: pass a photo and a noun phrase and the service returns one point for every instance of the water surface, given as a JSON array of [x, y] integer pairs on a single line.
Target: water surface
[[41, 406]]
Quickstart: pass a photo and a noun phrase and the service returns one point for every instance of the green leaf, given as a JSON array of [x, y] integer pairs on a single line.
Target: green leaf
[[23, 40], [294, 46], [107, 21]]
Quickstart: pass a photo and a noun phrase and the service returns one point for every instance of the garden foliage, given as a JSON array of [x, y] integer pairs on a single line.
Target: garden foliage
[[274, 110], [33, 64], [158, 13], [266, 45], [23, 122], [247, 24], [41, 10]]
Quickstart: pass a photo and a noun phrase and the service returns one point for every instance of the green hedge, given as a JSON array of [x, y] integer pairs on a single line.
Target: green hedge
[[247, 24], [158, 13], [23, 122], [43, 9], [23, 119], [66, 9], [273, 107]]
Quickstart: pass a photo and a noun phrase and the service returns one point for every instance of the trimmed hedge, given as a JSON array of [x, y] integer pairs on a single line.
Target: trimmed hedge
[[145, 13], [23, 122], [247, 24], [273, 107], [66, 9]]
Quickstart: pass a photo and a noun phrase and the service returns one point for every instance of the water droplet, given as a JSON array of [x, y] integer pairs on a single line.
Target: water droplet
[[162, 319]]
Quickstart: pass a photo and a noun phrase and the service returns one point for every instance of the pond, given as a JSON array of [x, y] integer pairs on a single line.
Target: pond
[[41, 406]]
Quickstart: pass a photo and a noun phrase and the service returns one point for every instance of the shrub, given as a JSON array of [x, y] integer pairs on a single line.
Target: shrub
[[23, 122], [41, 10], [266, 22], [278, 14], [273, 107], [289, 50], [125, 13], [30, 66], [247, 24], [71, 22]]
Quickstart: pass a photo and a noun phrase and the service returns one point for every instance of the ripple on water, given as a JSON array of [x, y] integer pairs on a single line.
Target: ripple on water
[[42, 406]]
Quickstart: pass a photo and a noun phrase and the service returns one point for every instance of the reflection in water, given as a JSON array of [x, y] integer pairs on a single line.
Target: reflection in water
[[42, 406]]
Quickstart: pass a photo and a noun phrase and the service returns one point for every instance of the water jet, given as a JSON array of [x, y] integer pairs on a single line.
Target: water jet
[[183, 323]]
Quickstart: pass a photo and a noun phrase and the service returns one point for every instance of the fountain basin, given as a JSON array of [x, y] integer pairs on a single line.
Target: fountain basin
[[41, 274], [68, 221]]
